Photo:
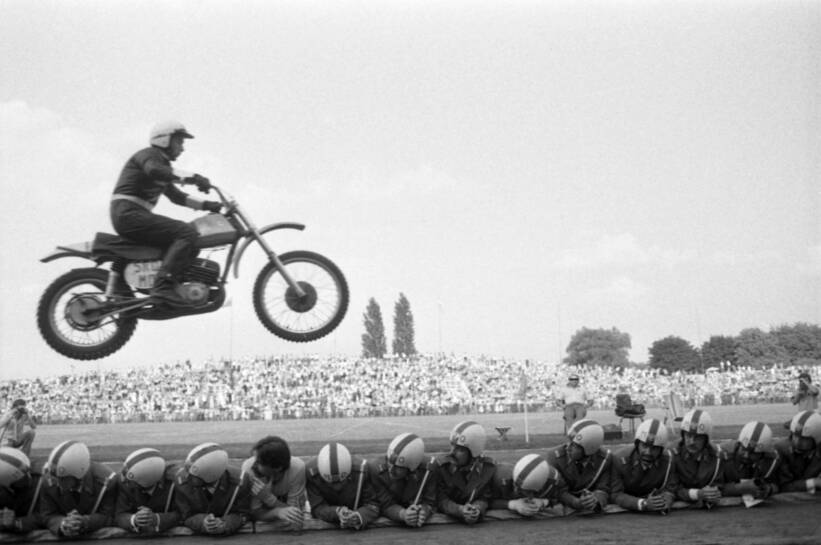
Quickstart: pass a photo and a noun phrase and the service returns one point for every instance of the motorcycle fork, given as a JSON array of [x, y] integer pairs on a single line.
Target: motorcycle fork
[[272, 256]]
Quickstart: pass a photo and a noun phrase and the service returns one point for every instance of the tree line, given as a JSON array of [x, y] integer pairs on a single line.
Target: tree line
[[798, 344]]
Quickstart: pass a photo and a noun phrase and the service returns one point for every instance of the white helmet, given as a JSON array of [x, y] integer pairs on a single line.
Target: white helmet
[[406, 450], [807, 424], [756, 436], [652, 432], [69, 459], [532, 472], [162, 132], [207, 461], [698, 422], [470, 435], [145, 467], [334, 462], [14, 464], [588, 434]]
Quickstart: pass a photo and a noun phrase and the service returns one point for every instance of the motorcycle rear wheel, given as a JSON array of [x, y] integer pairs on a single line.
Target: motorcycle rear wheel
[[67, 317], [307, 318]]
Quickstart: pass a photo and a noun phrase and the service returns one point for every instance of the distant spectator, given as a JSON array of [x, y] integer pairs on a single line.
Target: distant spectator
[[574, 400], [13, 424], [806, 396]]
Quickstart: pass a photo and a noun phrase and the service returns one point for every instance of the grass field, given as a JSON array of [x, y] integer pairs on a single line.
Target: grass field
[[363, 436]]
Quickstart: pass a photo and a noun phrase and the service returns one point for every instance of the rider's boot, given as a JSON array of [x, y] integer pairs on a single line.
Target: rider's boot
[[165, 289]]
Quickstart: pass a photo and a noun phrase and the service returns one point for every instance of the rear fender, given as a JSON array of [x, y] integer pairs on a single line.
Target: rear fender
[[80, 249], [262, 231]]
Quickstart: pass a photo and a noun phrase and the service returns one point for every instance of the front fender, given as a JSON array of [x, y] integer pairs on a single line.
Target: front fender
[[80, 249], [266, 229]]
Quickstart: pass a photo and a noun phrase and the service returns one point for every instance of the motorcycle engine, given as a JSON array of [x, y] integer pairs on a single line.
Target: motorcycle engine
[[196, 279], [196, 293]]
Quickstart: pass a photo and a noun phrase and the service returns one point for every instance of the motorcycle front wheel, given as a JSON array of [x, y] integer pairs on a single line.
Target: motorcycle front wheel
[[301, 318], [70, 317]]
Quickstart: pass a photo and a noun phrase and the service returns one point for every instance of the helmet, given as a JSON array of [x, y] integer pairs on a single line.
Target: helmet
[[406, 450], [652, 432], [756, 436], [13, 465], [69, 459], [162, 132], [532, 472], [698, 422], [144, 466], [470, 435], [588, 434], [334, 462], [807, 424], [208, 461]]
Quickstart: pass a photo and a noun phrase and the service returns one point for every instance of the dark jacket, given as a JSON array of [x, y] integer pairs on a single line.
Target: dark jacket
[[632, 482], [799, 466], [394, 494], [147, 175], [159, 499], [707, 468], [194, 503], [594, 476], [457, 486], [24, 500], [99, 483], [325, 497]]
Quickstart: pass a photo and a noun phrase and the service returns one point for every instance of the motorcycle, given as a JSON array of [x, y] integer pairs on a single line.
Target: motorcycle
[[90, 313]]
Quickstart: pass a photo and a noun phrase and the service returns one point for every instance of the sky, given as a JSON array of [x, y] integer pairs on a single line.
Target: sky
[[519, 170]]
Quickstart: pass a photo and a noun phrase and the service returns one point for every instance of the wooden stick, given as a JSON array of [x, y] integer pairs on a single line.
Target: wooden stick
[[424, 481], [359, 485], [102, 492]]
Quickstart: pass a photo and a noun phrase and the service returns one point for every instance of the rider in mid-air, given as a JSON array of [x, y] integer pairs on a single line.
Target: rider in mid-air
[[145, 176]]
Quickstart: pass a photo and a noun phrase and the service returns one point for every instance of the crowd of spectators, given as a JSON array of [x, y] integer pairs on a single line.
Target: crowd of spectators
[[275, 387]]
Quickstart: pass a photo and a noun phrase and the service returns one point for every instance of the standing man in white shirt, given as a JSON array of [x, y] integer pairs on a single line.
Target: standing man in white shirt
[[574, 401]]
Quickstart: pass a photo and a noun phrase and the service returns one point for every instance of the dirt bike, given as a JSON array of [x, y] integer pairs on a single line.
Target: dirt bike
[[92, 312]]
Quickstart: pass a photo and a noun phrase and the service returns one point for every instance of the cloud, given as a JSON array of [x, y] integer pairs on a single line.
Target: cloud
[[620, 250], [622, 291], [812, 265]]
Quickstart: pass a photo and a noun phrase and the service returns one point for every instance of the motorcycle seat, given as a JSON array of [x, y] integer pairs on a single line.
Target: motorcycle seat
[[115, 245]]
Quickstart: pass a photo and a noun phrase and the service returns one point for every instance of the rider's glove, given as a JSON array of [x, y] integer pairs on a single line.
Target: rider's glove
[[203, 183], [212, 206]]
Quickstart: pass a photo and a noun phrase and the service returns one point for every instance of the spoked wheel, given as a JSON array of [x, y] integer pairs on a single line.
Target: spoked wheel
[[310, 316], [71, 317]]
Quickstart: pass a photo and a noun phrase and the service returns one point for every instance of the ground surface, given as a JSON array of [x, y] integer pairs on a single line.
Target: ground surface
[[777, 523]]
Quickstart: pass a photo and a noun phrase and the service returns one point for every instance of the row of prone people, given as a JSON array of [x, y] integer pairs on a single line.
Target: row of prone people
[[73, 496]]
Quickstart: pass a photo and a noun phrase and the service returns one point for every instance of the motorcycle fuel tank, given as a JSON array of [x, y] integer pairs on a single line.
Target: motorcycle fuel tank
[[214, 230]]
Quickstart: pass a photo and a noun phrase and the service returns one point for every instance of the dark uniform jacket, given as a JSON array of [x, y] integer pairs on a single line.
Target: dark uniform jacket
[[194, 503], [458, 486], [23, 502], [147, 175], [632, 482], [325, 497], [706, 468], [396, 494], [99, 483], [769, 469], [800, 467], [504, 488], [159, 499], [592, 474]]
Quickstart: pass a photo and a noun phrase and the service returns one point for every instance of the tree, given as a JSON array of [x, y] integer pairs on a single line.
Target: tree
[[674, 354], [598, 347], [801, 341], [374, 344], [718, 349], [403, 332], [759, 349]]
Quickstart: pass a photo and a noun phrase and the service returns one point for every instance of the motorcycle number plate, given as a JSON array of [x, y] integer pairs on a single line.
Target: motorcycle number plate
[[141, 274]]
